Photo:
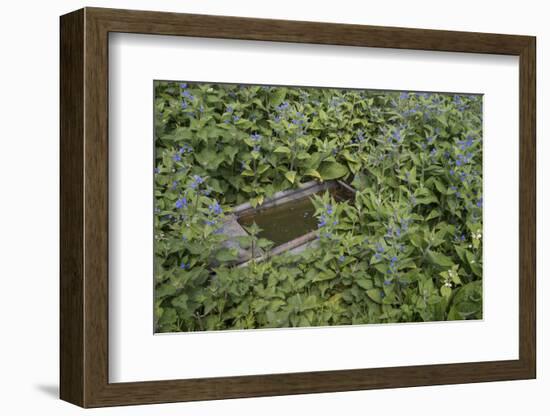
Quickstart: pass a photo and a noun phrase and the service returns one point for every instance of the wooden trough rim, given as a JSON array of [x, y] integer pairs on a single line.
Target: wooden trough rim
[[246, 208], [307, 188]]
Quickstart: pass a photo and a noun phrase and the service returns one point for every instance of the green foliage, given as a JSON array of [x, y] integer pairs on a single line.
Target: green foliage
[[406, 248]]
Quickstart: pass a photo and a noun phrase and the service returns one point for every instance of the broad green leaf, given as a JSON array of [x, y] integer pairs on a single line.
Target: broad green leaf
[[446, 291], [439, 259], [376, 295], [290, 175], [282, 149], [332, 170], [364, 283], [227, 254], [313, 172]]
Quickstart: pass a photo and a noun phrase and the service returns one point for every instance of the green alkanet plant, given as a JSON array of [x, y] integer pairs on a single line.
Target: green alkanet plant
[[406, 248]]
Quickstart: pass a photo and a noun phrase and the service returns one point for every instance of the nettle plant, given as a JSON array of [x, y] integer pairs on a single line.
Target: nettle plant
[[406, 248]]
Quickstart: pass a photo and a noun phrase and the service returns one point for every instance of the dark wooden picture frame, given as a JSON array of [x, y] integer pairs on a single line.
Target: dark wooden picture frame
[[84, 207]]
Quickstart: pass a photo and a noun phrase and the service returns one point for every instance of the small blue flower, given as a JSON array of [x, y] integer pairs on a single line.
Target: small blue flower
[[216, 208], [183, 85], [184, 105], [188, 95], [157, 170], [479, 202], [464, 144], [322, 221], [184, 266], [283, 106], [404, 96], [329, 209], [229, 109], [197, 180], [256, 137], [176, 157], [387, 282], [180, 203], [174, 184], [342, 258], [236, 118], [397, 136]]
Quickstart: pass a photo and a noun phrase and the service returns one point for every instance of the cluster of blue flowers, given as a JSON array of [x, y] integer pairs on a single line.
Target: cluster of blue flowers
[[187, 95], [411, 111], [392, 271], [197, 180], [467, 143], [336, 102], [281, 112], [326, 221], [181, 203], [185, 149], [215, 208], [359, 138], [396, 136], [462, 159], [298, 119], [460, 105], [379, 251], [283, 106]]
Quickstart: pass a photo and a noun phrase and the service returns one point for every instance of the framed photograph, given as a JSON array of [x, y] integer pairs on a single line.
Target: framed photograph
[[255, 207]]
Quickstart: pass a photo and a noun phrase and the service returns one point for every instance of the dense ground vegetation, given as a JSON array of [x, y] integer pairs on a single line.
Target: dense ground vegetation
[[407, 248]]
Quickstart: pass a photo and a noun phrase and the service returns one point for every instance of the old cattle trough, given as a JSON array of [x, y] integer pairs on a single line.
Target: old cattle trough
[[286, 219]]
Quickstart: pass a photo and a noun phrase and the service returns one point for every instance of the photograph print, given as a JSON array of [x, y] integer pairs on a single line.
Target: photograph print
[[291, 206]]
